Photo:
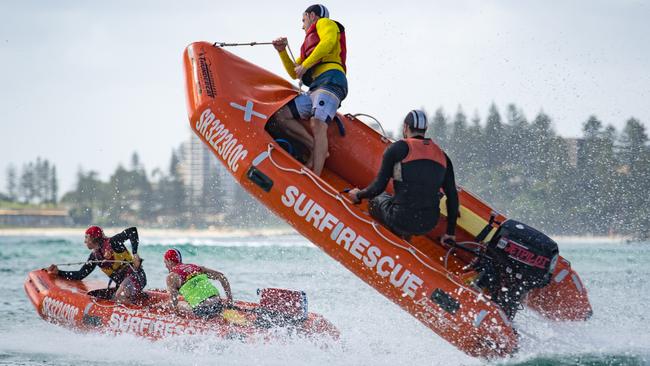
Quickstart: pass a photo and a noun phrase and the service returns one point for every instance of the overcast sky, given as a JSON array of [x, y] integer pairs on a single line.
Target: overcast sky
[[86, 83]]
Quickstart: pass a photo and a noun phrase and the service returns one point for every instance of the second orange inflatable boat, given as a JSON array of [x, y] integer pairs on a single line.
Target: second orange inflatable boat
[[85, 306], [230, 101]]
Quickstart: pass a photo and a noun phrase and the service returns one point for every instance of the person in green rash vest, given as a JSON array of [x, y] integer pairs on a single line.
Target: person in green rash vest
[[193, 282]]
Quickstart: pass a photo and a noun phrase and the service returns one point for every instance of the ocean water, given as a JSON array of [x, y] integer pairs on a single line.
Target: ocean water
[[373, 330]]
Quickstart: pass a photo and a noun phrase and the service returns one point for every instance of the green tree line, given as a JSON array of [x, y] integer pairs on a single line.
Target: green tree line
[[131, 196], [597, 184], [35, 184]]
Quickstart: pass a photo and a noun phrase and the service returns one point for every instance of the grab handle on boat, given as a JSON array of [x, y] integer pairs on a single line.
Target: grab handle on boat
[[383, 132], [285, 143], [488, 228], [455, 245], [262, 180]]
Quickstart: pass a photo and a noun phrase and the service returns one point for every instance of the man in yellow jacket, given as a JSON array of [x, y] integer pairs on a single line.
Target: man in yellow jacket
[[321, 67]]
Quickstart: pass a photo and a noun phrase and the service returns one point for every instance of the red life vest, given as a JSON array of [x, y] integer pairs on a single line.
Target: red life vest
[[312, 39], [424, 149], [186, 271]]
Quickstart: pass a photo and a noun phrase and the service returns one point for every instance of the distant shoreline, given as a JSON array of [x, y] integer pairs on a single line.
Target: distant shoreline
[[229, 232], [154, 232]]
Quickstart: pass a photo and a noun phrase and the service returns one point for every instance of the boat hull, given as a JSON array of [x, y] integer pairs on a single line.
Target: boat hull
[[68, 303], [229, 103]]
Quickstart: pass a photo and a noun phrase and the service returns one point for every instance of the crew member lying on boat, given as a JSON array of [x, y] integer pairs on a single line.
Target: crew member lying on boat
[[111, 255], [419, 169], [193, 282]]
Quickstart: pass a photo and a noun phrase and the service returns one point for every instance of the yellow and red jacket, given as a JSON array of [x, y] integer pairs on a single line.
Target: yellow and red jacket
[[118, 259], [323, 49]]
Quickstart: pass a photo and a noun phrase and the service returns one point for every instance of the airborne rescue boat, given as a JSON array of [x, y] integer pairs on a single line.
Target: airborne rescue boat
[[456, 291]]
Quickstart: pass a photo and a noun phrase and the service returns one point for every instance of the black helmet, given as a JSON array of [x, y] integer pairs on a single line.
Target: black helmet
[[416, 120], [318, 9]]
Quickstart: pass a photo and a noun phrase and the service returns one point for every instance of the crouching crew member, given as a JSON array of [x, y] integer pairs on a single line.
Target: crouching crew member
[[111, 255], [193, 282], [419, 169]]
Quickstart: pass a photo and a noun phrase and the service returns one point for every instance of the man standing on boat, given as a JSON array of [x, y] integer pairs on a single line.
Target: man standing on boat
[[193, 282], [111, 255], [321, 67], [419, 169]]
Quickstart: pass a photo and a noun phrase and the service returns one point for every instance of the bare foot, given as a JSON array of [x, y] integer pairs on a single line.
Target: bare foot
[[310, 162]]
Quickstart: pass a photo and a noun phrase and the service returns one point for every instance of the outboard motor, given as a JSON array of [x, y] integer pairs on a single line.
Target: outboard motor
[[281, 307], [518, 259]]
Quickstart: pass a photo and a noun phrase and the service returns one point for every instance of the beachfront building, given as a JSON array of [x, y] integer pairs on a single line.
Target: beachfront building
[[34, 218]]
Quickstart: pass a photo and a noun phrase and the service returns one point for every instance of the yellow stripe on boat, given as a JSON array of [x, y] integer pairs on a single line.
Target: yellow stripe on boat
[[468, 220]]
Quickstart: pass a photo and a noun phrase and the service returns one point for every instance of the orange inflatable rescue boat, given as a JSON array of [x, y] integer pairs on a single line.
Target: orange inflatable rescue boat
[[80, 305], [467, 293]]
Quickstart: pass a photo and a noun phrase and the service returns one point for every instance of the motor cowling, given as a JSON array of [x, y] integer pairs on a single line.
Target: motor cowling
[[281, 307], [518, 259]]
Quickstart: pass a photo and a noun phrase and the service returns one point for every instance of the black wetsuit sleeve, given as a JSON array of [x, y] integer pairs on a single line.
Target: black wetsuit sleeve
[[83, 272], [131, 234], [449, 187], [395, 153]]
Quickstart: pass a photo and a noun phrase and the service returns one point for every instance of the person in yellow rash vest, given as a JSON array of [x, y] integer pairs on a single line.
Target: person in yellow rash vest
[[321, 67]]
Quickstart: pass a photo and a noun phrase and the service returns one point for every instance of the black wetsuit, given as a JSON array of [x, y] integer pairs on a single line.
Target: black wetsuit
[[414, 209], [117, 245]]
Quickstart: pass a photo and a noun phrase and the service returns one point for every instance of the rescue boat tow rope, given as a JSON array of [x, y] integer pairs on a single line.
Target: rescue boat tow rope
[[93, 299], [225, 44], [93, 261], [97, 261], [337, 196], [295, 63]]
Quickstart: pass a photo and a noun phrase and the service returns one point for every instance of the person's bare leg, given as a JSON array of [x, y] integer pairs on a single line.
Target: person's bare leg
[[319, 128], [296, 130], [309, 164], [184, 308], [214, 301], [124, 293], [293, 127]]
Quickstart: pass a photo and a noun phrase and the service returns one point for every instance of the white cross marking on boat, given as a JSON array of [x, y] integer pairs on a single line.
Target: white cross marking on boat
[[248, 110]]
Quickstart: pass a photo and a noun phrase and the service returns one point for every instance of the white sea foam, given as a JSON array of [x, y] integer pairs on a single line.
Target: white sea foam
[[374, 331]]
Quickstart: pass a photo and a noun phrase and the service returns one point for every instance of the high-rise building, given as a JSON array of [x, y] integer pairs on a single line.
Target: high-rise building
[[210, 188]]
